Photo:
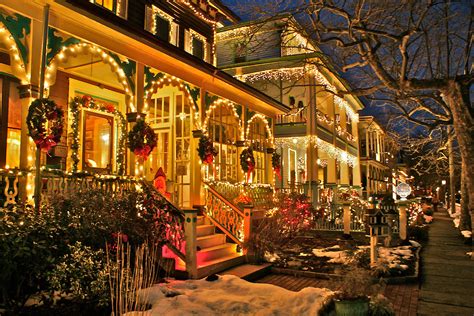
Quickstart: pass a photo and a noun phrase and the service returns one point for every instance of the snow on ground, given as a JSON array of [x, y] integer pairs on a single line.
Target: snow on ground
[[230, 295], [456, 222], [466, 233], [393, 256]]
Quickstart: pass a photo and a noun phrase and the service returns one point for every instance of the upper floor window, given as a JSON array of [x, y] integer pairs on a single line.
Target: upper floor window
[[348, 124], [162, 25], [118, 7], [197, 45]]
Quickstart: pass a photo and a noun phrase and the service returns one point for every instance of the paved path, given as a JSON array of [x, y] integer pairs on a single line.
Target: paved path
[[447, 286], [404, 297]]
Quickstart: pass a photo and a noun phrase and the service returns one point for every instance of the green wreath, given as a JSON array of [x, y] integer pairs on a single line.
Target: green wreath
[[206, 150], [247, 161], [142, 139], [45, 123]]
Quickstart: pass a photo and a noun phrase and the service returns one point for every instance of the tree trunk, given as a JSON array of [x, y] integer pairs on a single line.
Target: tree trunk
[[465, 220], [452, 179], [457, 96]]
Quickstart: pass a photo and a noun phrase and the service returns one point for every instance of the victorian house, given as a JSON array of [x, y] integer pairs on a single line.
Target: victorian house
[[318, 138], [108, 63]]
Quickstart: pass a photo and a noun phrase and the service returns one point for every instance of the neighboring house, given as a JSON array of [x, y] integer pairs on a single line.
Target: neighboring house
[[379, 159], [318, 139], [132, 59]]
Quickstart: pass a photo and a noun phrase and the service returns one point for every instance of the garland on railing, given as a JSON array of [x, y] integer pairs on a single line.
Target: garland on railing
[[206, 150], [247, 162], [45, 122], [142, 139], [276, 164], [88, 102]]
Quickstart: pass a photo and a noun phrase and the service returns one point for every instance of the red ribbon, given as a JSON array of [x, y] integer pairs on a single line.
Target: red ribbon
[[277, 170], [45, 144], [209, 159], [143, 152]]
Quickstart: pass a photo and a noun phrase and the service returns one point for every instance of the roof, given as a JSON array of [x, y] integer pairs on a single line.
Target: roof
[[226, 11], [254, 22]]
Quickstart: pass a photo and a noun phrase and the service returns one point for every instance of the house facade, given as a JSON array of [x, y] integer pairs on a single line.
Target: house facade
[[318, 138], [379, 159], [123, 61]]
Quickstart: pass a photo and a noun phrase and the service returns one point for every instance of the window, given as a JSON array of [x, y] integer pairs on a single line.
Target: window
[[292, 166], [98, 140], [198, 48], [348, 124], [10, 123], [240, 52], [162, 28], [223, 130], [118, 7], [258, 136], [159, 111]]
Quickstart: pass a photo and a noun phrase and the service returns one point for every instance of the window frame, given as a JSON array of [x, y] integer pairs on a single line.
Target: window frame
[[115, 5]]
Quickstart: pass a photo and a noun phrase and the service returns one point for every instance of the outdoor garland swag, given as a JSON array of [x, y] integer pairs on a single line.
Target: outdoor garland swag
[[276, 164], [247, 161], [142, 139], [206, 150], [45, 122]]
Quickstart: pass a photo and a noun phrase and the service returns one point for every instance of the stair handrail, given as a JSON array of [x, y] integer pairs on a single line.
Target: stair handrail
[[235, 225], [174, 248]]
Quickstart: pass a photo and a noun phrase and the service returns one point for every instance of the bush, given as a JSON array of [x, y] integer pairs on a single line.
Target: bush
[[30, 244], [81, 273], [428, 211], [418, 233]]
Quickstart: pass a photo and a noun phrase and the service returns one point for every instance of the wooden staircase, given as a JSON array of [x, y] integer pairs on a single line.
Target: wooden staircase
[[214, 253]]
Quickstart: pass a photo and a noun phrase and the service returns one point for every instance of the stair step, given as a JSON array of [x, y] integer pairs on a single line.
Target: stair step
[[221, 264], [249, 272], [203, 220], [204, 230], [216, 252], [210, 240]]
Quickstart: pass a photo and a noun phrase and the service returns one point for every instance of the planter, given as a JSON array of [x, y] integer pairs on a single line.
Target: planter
[[358, 307]]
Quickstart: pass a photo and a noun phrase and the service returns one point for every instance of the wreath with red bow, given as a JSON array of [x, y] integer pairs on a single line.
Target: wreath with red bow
[[247, 161], [45, 122], [276, 164], [142, 139], [206, 150]]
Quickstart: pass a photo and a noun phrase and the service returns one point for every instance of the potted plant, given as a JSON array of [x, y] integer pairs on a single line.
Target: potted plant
[[352, 299]]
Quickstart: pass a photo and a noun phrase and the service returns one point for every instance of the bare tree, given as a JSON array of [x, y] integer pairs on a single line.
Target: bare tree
[[414, 55]]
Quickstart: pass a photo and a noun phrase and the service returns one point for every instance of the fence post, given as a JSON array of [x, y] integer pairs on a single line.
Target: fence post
[[403, 223], [190, 224], [248, 215], [346, 206]]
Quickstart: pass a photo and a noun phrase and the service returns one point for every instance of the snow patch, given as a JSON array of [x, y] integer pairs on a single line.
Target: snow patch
[[230, 295], [456, 222], [466, 233]]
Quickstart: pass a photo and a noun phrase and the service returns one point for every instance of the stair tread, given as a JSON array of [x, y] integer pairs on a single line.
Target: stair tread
[[220, 260], [226, 245], [208, 236], [200, 226]]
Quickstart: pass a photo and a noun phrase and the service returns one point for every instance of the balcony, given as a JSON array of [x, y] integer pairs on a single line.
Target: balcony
[[290, 125]]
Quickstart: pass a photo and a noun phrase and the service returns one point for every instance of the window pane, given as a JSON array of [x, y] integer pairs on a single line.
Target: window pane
[[14, 107], [162, 28], [13, 148], [198, 48], [97, 141], [166, 109]]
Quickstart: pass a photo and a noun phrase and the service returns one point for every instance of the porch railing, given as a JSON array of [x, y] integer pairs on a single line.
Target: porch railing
[[225, 215], [333, 220], [260, 195], [9, 187]]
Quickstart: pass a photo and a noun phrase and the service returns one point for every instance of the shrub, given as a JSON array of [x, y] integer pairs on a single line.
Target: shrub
[[418, 233], [81, 273], [358, 283], [381, 306]]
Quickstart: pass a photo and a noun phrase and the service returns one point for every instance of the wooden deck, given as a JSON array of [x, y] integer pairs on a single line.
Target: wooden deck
[[404, 297]]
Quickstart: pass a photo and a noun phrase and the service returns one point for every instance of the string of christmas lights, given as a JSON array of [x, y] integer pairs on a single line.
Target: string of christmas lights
[[96, 51], [18, 64]]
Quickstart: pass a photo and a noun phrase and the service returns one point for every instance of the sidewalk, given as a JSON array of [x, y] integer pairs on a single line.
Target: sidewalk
[[447, 285]]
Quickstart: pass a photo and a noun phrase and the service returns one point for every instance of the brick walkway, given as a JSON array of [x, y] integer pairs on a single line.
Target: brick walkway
[[404, 297], [447, 285]]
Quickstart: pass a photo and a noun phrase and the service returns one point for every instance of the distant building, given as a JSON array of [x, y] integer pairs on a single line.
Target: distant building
[[318, 139]]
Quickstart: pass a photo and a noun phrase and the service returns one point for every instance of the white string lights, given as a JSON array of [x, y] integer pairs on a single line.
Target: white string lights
[[176, 82], [74, 50], [267, 127], [312, 140], [18, 65], [229, 105], [299, 73]]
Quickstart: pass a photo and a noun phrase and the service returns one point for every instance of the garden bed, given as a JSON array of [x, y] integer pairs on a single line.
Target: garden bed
[[320, 257]]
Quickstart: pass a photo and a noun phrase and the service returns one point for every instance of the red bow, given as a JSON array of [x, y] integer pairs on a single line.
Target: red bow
[[143, 152], [45, 144]]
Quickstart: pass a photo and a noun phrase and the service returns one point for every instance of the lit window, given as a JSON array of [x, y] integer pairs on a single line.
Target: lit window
[[119, 7], [14, 127], [197, 45], [162, 25], [98, 141]]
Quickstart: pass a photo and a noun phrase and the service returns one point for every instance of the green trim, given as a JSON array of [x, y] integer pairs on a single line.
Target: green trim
[[150, 77], [129, 67], [19, 28], [208, 100], [301, 57], [56, 43]]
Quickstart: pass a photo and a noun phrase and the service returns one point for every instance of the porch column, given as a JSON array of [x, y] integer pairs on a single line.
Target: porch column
[[344, 174], [331, 171], [190, 223], [269, 174], [197, 197], [240, 173], [140, 87]]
